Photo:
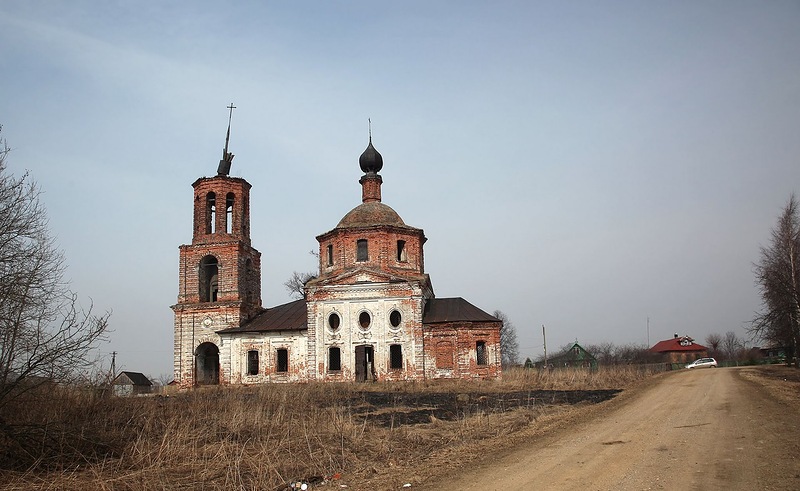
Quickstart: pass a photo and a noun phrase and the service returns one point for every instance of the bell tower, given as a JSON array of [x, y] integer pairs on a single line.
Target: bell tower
[[219, 278]]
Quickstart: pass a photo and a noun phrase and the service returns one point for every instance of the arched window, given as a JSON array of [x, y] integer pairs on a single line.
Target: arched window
[[252, 362], [401, 251], [208, 278], [211, 212], [480, 353], [362, 254], [282, 360], [229, 200], [395, 357]]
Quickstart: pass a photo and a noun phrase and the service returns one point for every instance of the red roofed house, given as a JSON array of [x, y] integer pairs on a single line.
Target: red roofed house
[[679, 349], [370, 314]]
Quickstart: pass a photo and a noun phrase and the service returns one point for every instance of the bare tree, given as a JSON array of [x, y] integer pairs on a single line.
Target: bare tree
[[731, 346], [778, 278], [605, 353], [634, 353], [714, 342], [46, 337], [163, 379], [296, 284], [509, 346], [608, 353]]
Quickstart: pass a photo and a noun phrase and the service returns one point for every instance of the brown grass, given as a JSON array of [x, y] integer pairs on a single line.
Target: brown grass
[[263, 437]]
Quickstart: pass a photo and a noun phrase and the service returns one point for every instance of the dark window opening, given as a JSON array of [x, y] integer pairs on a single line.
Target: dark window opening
[[252, 362], [361, 250], [480, 353], [229, 200], [395, 357], [211, 212], [330, 255], [333, 321], [334, 359], [395, 318], [364, 320], [283, 361], [208, 278], [401, 251]]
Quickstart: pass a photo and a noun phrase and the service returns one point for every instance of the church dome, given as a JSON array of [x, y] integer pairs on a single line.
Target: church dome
[[369, 214], [370, 160]]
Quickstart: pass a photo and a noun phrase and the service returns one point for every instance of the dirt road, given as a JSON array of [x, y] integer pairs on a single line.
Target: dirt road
[[702, 429]]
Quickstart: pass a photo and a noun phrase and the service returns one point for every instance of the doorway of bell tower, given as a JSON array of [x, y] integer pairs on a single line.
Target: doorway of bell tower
[[207, 364], [365, 363]]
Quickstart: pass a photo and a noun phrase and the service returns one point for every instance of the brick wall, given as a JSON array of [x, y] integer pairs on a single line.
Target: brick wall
[[236, 348], [382, 244], [209, 227], [450, 350]]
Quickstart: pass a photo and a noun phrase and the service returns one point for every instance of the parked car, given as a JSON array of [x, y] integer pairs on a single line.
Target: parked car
[[703, 363]]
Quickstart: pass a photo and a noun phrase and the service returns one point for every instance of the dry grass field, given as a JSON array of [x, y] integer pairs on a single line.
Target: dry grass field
[[376, 436]]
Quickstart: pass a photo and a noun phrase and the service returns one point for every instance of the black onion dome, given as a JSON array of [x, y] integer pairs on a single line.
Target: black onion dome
[[370, 160]]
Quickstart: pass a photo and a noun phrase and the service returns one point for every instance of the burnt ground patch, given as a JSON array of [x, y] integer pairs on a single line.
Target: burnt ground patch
[[391, 409]]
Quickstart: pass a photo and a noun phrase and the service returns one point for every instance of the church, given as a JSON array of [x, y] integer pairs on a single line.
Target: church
[[369, 315]]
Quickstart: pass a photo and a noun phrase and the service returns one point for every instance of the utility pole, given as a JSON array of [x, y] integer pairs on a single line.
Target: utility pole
[[544, 339], [648, 331], [113, 364]]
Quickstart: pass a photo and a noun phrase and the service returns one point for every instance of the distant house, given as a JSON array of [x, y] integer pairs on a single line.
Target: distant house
[[769, 354], [574, 357], [131, 384], [679, 349]]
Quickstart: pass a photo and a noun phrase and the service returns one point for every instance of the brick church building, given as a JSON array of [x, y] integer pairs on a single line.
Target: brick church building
[[370, 314]]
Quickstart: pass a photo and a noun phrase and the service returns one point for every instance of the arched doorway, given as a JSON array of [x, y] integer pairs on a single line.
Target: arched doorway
[[207, 364]]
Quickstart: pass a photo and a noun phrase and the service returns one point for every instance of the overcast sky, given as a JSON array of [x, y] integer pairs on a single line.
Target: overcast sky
[[582, 165]]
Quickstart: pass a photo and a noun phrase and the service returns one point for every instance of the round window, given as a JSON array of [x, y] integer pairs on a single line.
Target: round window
[[364, 320], [395, 318], [333, 321]]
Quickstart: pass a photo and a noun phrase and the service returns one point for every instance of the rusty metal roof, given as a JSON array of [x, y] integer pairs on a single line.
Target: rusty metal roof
[[290, 316], [676, 344], [439, 310], [370, 214]]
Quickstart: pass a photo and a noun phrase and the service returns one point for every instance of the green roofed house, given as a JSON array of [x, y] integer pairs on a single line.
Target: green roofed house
[[575, 357]]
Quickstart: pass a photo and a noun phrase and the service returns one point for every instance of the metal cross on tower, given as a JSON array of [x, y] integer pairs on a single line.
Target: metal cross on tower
[[227, 158]]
